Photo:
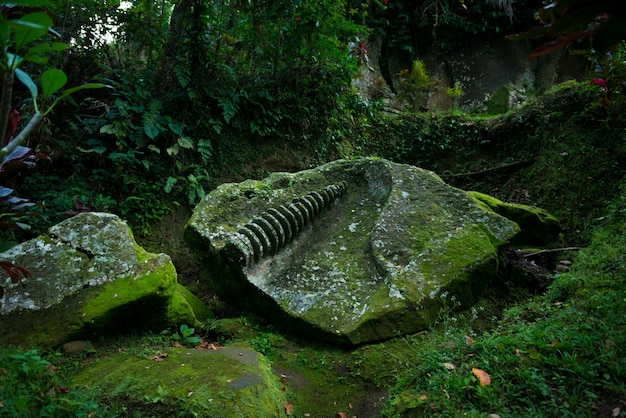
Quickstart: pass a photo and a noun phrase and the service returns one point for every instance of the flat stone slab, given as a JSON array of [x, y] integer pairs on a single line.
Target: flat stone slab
[[352, 251]]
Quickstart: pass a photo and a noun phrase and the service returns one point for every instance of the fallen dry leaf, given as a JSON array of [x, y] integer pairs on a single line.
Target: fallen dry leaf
[[216, 346], [158, 357], [342, 415], [483, 377], [468, 340], [288, 408], [177, 344], [202, 345], [190, 393], [449, 366]]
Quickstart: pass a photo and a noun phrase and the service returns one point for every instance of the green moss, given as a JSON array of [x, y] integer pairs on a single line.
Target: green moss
[[498, 102], [232, 382], [200, 310], [538, 227]]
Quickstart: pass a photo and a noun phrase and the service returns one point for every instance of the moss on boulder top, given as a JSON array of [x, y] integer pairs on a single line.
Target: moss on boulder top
[[87, 276], [230, 382], [538, 227], [352, 251]]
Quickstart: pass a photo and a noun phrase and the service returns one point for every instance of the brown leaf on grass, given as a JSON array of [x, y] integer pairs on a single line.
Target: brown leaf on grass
[[342, 415], [158, 357], [216, 346], [288, 408], [483, 377], [177, 344], [468, 340], [202, 345], [190, 393]]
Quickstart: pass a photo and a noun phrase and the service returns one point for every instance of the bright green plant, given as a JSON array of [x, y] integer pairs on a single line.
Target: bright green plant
[[414, 86], [31, 386], [20, 42], [186, 336], [455, 92]]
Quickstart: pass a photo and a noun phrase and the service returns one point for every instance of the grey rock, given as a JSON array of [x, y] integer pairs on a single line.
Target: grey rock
[[89, 275], [369, 248]]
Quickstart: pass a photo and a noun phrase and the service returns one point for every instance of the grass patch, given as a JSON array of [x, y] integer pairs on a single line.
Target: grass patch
[[559, 354]]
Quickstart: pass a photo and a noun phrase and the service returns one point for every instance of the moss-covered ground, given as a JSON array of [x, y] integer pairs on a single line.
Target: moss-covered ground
[[559, 352]]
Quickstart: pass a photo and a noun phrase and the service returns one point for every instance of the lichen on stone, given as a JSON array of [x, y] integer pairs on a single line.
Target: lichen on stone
[[372, 263]]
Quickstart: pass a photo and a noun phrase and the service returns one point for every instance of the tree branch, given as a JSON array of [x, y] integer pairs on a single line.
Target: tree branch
[[21, 138]]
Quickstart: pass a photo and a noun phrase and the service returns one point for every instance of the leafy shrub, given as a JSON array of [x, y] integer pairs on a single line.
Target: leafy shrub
[[30, 386]]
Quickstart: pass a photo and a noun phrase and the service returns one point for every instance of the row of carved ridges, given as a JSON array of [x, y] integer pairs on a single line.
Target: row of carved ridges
[[266, 234]]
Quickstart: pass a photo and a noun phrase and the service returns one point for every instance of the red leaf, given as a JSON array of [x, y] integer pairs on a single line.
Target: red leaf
[[288, 408]]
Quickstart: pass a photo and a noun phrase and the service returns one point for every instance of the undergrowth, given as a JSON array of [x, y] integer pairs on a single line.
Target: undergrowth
[[559, 354]]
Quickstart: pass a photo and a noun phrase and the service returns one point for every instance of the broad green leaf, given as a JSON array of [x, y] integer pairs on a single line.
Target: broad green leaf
[[176, 128], [82, 87], [154, 148], [185, 142], [108, 129], [173, 150], [52, 80], [36, 59], [151, 131], [31, 27], [146, 164], [28, 82]]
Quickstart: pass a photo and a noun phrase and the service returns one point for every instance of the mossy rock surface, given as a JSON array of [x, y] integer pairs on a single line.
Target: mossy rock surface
[[230, 382], [382, 257], [87, 277], [537, 226]]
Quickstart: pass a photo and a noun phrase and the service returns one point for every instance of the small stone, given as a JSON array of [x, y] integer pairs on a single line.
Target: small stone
[[74, 348]]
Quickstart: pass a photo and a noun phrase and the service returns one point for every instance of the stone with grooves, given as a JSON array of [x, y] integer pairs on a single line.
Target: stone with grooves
[[88, 275], [230, 382], [368, 248]]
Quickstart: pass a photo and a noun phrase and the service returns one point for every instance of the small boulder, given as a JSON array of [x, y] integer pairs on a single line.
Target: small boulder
[[87, 276], [229, 382]]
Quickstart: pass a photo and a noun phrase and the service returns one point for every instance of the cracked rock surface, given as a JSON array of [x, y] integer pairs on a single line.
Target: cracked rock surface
[[382, 255], [86, 275]]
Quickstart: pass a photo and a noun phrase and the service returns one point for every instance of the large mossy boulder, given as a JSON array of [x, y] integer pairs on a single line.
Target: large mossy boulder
[[352, 251], [230, 382], [89, 276]]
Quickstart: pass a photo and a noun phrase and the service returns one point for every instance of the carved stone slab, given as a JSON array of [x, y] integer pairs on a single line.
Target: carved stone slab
[[352, 251]]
